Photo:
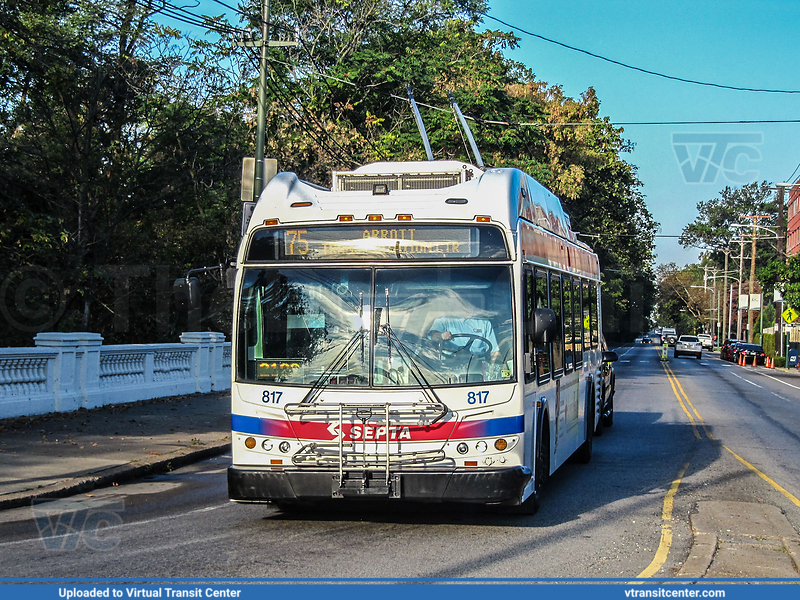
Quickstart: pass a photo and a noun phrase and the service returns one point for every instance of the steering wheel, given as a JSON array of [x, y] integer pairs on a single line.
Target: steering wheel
[[392, 375], [466, 347]]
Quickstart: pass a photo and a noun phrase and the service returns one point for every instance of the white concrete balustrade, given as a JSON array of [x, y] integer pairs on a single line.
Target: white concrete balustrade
[[67, 371]]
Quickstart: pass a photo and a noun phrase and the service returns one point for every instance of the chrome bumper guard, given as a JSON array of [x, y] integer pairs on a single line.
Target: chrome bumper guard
[[365, 467]]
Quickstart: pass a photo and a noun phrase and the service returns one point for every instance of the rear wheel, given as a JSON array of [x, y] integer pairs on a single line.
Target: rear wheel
[[584, 453], [608, 414], [598, 430]]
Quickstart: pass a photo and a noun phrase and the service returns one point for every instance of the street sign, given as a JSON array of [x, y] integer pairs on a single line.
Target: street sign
[[790, 315]]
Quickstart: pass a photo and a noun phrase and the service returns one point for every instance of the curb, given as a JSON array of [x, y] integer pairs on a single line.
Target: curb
[[110, 476], [729, 538]]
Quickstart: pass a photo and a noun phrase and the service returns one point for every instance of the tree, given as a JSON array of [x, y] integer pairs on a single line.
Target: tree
[[712, 230], [355, 62], [681, 304], [121, 149], [122, 141]]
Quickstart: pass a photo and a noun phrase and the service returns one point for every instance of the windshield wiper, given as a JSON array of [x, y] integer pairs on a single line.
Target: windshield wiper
[[413, 367], [323, 380]]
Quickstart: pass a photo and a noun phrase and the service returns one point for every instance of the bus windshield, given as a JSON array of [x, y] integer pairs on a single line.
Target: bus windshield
[[376, 327]]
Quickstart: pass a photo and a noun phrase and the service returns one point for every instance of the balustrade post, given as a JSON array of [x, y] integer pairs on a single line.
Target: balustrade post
[[204, 363], [76, 372]]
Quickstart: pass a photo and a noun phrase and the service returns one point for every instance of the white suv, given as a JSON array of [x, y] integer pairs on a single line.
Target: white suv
[[688, 344], [706, 340]]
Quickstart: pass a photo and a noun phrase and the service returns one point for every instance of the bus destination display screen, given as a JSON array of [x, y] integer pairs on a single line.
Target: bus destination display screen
[[396, 242]]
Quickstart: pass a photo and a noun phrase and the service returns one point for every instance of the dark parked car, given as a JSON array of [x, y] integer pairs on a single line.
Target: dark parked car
[[734, 349], [726, 351], [753, 354], [608, 384]]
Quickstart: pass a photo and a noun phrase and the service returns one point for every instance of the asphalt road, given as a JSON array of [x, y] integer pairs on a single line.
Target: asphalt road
[[683, 432]]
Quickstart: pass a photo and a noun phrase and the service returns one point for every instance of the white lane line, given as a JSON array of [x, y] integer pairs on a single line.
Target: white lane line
[[779, 381], [625, 360], [747, 380], [778, 396]]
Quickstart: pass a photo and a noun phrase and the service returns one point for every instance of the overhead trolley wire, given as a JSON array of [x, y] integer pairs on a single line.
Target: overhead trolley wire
[[640, 69], [201, 21]]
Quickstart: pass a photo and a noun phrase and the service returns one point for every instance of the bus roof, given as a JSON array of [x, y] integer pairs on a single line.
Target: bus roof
[[426, 190]]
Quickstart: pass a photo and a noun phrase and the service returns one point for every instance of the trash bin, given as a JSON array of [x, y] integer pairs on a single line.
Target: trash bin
[[791, 360]]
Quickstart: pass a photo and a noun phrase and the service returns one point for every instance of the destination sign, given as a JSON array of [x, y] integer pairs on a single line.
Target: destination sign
[[377, 243]]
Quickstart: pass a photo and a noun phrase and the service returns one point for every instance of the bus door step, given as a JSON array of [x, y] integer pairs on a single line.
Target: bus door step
[[365, 485]]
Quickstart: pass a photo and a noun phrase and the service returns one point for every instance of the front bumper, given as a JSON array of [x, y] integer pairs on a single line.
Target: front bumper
[[484, 487]]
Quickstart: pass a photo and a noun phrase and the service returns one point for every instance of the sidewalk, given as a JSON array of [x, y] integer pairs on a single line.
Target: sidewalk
[[60, 454], [733, 540]]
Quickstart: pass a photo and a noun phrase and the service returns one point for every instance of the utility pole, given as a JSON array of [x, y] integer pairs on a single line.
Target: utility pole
[[750, 311], [739, 292], [780, 244], [261, 115], [261, 127], [724, 330]]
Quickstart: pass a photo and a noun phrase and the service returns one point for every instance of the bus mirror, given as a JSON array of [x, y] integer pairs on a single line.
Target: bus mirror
[[230, 277], [247, 214], [544, 325], [186, 293], [609, 356]]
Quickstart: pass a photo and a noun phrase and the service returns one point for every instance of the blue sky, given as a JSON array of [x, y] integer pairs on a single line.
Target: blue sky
[[740, 43]]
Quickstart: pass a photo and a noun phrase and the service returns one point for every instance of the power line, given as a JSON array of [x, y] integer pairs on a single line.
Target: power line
[[640, 69], [789, 179], [204, 22]]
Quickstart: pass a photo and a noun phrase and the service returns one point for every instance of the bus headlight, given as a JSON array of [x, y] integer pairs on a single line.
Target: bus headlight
[[250, 443], [462, 448], [267, 445], [500, 444], [284, 447], [481, 446]]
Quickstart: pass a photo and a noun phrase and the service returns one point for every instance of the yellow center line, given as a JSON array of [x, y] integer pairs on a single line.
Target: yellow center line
[[666, 528], [674, 381], [709, 435], [773, 483]]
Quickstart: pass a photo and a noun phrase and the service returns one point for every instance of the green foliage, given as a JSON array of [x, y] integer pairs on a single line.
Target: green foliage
[[122, 143], [682, 303], [121, 154], [768, 343], [713, 229]]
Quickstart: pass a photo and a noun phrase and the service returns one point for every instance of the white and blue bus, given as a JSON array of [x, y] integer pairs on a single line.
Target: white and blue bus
[[425, 331]]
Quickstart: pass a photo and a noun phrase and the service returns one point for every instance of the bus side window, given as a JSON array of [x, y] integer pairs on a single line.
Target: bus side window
[[577, 322], [586, 319], [566, 291], [528, 324], [542, 350], [594, 316], [558, 338]]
